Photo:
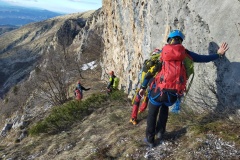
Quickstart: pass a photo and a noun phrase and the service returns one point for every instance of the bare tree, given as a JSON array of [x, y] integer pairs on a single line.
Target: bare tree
[[52, 80]]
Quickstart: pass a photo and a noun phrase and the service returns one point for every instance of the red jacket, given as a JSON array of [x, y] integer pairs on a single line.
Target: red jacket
[[78, 95]]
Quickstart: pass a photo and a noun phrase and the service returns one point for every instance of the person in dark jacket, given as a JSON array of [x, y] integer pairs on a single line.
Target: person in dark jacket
[[158, 108], [79, 91]]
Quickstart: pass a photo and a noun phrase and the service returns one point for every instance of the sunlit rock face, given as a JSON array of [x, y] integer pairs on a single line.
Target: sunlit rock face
[[133, 28]]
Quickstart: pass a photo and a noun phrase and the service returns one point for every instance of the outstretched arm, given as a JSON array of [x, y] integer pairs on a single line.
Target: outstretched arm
[[207, 58], [85, 89]]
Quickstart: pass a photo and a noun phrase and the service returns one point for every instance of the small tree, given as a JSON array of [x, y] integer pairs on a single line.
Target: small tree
[[52, 80]]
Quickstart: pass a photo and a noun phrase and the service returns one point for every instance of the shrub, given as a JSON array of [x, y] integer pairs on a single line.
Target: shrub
[[62, 117], [117, 95]]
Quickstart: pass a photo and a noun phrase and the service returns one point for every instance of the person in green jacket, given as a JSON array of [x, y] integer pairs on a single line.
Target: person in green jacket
[[113, 82]]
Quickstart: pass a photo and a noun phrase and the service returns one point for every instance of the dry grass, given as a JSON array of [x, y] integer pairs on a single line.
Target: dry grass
[[107, 134]]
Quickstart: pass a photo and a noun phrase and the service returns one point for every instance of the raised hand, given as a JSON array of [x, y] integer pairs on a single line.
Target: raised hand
[[223, 48]]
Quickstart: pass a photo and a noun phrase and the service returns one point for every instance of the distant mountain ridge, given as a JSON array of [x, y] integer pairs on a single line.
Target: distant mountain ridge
[[7, 28], [19, 16]]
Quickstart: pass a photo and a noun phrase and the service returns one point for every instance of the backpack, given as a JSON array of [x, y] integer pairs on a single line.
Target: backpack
[[77, 94], [189, 66], [174, 72], [115, 82], [153, 60], [149, 64]]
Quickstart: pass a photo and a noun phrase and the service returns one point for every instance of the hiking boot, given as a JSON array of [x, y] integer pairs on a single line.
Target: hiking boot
[[151, 145], [133, 121], [159, 135], [139, 112]]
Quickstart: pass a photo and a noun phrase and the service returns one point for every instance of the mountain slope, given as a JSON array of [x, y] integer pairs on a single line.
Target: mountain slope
[[119, 38], [6, 28], [107, 134], [21, 49]]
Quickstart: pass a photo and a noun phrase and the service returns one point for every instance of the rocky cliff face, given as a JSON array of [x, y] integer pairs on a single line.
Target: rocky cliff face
[[134, 28]]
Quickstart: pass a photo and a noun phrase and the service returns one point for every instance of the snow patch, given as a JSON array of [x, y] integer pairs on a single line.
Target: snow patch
[[90, 65]]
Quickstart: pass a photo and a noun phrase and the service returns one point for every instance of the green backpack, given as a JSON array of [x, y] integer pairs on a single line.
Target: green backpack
[[153, 60], [189, 66], [115, 83], [148, 64]]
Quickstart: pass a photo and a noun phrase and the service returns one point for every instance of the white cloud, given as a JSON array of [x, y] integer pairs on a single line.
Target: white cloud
[[86, 2]]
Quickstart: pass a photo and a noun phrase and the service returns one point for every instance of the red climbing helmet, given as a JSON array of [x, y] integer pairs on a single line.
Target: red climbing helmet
[[111, 73]]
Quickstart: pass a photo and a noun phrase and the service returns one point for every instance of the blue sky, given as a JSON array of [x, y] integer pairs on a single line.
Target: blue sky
[[61, 6]]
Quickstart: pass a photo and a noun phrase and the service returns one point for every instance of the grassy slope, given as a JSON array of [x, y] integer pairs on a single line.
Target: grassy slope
[[105, 133]]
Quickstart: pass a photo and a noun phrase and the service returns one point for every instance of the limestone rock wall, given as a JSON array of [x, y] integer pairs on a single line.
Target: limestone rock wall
[[134, 28]]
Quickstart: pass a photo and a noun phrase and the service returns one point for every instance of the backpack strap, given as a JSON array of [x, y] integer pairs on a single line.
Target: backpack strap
[[152, 99]]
